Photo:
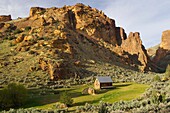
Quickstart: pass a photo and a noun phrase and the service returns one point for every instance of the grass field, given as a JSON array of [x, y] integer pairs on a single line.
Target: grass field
[[123, 91]]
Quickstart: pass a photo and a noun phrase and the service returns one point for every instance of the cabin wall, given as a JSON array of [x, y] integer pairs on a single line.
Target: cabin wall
[[97, 84], [105, 84]]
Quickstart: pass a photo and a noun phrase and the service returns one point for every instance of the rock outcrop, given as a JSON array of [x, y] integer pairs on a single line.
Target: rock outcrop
[[120, 35], [36, 10], [152, 51], [135, 51], [95, 23], [56, 70], [162, 58], [69, 37], [5, 18]]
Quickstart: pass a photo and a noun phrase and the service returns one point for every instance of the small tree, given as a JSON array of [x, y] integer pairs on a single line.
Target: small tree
[[13, 96], [66, 98]]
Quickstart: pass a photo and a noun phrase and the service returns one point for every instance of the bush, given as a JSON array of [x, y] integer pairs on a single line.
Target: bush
[[102, 108], [157, 78], [11, 37], [27, 28], [66, 98], [17, 31], [13, 96]]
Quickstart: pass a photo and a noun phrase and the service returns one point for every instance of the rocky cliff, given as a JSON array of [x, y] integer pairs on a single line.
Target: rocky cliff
[[135, 51], [64, 40], [162, 58]]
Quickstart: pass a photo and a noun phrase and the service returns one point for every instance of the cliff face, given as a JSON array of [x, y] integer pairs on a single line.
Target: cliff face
[[133, 47], [65, 39], [162, 58]]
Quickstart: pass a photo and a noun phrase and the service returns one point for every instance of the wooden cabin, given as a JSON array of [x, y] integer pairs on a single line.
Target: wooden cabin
[[103, 82]]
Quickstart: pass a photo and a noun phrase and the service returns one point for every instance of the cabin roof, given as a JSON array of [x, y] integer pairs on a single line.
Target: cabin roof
[[104, 79]]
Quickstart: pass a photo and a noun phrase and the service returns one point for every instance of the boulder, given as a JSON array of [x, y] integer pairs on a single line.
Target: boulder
[[89, 90]]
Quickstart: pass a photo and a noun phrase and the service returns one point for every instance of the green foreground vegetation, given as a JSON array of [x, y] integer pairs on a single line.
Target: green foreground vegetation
[[122, 91]]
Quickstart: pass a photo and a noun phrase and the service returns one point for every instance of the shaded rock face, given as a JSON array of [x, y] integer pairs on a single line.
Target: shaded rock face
[[1, 25], [135, 51], [120, 35], [5, 18], [57, 70], [162, 57]]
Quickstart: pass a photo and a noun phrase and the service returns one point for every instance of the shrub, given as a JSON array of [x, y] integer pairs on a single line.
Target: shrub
[[27, 28], [66, 98], [102, 108], [17, 31], [157, 78], [11, 37], [13, 96]]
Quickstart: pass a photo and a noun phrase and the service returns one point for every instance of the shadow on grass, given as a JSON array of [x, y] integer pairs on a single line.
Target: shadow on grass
[[122, 85], [35, 99]]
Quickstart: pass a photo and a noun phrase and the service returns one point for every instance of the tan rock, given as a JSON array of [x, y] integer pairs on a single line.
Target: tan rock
[[57, 32], [77, 63], [42, 21], [20, 38], [51, 21], [43, 65], [89, 90], [29, 37], [5, 18], [36, 10], [165, 43], [135, 51], [95, 23]]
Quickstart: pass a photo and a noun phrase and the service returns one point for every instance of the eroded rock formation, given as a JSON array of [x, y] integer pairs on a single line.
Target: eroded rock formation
[[120, 35], [135, 51], [76, 33], [162, 58]]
